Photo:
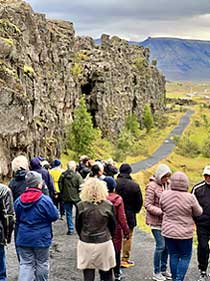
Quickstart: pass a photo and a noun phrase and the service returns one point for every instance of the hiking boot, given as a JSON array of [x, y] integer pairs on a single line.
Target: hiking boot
[[158, 277], [126, 264], [167, 275], [203, 276]]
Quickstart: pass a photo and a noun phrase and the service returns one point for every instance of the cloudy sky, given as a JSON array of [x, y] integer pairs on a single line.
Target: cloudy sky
[[132, 19]]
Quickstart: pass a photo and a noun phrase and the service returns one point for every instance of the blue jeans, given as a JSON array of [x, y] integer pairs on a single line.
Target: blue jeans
[[3, 276], [180, 252], [33, 264], [68, 206], [161, 252]]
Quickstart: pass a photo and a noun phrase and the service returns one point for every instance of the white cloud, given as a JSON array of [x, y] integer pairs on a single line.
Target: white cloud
[[133, 19]]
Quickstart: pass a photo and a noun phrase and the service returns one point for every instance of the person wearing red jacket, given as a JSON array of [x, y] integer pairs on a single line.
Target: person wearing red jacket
[[122, 228]]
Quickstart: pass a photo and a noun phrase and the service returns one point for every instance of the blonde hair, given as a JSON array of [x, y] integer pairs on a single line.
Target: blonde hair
[[94, 190], [20, 162]]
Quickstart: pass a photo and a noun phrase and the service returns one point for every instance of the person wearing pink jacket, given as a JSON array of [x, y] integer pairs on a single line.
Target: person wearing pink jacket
[[157, 184], [179, 207]]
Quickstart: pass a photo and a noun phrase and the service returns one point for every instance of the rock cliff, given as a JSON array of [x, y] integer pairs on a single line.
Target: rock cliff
[[44, 69]]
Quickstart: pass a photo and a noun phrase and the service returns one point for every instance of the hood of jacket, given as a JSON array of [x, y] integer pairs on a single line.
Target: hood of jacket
[[161, 171], [30, 197], [125, 176], [179, 181], [20, 175], [35, 163], [115, 199]]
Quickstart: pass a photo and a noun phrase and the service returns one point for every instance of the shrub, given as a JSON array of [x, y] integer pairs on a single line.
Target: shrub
[[206, 148], [188, 147], [124, 144], [154, 62], [80, 133], [141, 63], [76, 70], [160, 120], [132, 125], [148, 118]]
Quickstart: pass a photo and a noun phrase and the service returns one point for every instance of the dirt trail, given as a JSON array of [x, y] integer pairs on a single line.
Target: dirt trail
[[63, 258]]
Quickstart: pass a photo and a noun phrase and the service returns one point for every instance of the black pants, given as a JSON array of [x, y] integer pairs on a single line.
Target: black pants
[[203, 234], [89, 275], [118, 263], [58, 202]]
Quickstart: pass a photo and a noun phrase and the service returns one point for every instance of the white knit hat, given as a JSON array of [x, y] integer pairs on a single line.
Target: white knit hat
[[206, 171], [20, 162], [161, 171]]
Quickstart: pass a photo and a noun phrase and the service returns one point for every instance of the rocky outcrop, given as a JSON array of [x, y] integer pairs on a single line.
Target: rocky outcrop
[[44, 69]]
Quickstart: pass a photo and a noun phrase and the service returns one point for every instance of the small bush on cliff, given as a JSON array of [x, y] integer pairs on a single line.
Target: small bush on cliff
[[76, 70], [141, 63], [80, 133], [148, 118]]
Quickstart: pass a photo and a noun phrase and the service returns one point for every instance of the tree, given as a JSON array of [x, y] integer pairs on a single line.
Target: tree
[[132, 125], [80, 133], [148, 118]]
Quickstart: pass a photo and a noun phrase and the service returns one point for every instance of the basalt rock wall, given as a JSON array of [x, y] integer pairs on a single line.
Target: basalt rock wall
[[45, 68]]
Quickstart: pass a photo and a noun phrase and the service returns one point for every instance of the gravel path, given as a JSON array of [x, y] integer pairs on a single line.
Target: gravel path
[[63, 258], [166, 147]]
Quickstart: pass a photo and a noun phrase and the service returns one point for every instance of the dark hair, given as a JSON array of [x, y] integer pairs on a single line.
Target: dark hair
[[94, 170]]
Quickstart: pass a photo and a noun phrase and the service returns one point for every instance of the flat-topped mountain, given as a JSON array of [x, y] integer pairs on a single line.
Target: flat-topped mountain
[[180, 59]]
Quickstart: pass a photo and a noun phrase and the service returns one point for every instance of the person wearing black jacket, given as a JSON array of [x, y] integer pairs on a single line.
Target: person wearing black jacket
[[6, 225], [18, 184], [202, 193], [132, 198]]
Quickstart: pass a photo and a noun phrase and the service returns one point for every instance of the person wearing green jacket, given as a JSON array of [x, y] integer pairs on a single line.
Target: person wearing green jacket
[[69, 185]]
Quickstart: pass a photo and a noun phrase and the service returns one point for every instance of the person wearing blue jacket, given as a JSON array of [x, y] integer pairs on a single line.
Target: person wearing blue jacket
[[35, 213]]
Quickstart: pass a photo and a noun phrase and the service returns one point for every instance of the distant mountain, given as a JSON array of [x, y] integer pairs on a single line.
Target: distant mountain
[[180, 59]]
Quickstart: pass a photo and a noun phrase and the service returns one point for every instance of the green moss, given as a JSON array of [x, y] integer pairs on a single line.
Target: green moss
[[76, 70], [141, 63], [8, 69], [29, 71], [81, 56], [6, 25], [9, 41]]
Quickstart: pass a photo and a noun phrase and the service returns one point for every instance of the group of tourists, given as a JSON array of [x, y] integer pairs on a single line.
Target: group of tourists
[[106, 201]]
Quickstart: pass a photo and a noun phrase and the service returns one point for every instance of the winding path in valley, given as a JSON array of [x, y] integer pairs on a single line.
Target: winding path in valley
[[166, 147]]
